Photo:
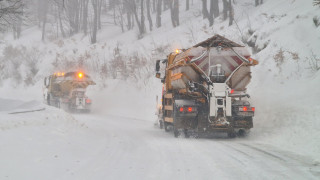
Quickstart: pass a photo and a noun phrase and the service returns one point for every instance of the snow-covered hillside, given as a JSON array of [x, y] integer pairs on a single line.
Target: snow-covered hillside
[[281, 35]]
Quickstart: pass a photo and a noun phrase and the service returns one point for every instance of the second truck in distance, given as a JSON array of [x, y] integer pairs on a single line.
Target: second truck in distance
[[68, 91]]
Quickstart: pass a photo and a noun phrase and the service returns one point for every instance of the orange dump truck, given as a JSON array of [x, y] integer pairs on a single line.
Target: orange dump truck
[[67, 90]]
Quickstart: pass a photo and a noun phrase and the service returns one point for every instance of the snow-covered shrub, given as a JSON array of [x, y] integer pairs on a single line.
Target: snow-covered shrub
[[314, 63], [279, 58], [316, 21], [11, 62], [20, 64], [32, 58]]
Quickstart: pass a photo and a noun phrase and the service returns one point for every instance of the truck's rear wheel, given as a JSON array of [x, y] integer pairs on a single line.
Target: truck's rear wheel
[[161, 124], [48, 99], [243, 133], [186, 133], [176, 132], [232, 134], [166, 128]]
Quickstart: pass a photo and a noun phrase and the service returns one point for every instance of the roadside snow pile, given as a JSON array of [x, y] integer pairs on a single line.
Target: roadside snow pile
[[43, 144], [14, 106], [287, 115], [285, 39], [19, 114], [8, 104], [285, 84]]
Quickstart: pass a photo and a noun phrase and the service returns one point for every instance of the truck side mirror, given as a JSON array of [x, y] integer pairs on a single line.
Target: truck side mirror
[[158, 66], [158, 75]]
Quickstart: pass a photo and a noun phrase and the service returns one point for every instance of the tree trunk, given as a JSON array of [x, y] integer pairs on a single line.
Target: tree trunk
[[99, 13], [153, 6], [149, 15], [17, 25], [128, 9], [205, 12], [44, 20], [225, 9], [60, 20], [172, 14], [121, 19], [211, 19], [85, 16], [143, 27], [158, 17], [95, 21], [129, 25], [256, 3], [176, 12], [77, 15], [231, 13], [166, 4], [140, 23], [114, 15], [215, 8], [187, 5], [44, 27]]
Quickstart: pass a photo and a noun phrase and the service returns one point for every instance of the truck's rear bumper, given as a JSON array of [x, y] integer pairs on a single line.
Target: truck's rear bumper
[[192, 123]]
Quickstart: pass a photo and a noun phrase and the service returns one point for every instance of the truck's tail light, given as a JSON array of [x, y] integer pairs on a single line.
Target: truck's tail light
[[245, 108], [88, 101], [189, 109], [231, 91], [181, 109]]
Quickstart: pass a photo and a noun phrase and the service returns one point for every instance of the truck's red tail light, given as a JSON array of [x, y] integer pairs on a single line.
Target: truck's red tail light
[[253, 108], [245, 108], [189, 109], [231, 91], [181, 109], [88, 101]]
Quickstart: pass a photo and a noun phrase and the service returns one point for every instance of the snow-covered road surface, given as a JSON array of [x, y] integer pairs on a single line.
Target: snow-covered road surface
[[94, 147]]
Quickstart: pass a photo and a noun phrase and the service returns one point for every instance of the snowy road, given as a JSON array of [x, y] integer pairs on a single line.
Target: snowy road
[[110, 147], [133, 148]]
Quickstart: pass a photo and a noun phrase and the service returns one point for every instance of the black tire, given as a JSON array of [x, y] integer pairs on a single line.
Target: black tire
[[232, 134], [166, 129], [48, 99], [186, 133], [161, 124], [243, 133], [176, 132]]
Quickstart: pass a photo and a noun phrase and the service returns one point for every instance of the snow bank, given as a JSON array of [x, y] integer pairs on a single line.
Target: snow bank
[[17, 113], [287, 115]]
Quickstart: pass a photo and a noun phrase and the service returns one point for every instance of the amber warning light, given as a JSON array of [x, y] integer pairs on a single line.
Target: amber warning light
[[80, 75]]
